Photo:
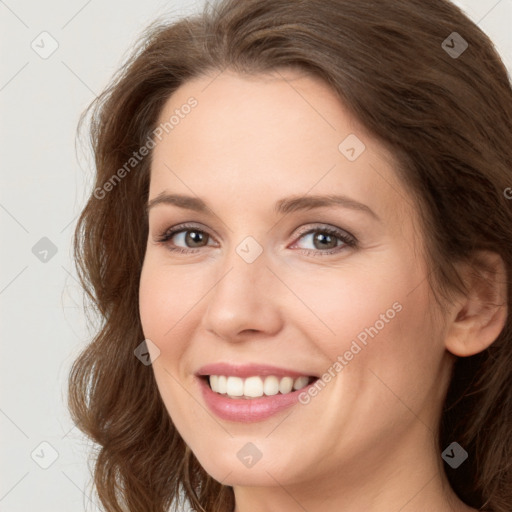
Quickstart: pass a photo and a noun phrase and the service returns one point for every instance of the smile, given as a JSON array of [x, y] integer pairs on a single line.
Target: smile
[[250, 393]]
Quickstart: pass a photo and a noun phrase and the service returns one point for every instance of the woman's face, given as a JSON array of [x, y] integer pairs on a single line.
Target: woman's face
[[267, 299]]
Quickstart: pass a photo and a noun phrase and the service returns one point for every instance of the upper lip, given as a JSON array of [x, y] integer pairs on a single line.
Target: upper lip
[[248, 370]]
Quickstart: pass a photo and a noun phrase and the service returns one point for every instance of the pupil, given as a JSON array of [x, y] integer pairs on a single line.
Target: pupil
[[194, 236], [322, 237]]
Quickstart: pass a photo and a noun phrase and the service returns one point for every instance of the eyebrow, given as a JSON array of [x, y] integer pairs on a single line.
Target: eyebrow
[[283, 206]]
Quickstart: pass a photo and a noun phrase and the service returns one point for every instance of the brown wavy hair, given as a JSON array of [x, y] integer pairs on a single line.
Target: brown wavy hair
[[447, 120]]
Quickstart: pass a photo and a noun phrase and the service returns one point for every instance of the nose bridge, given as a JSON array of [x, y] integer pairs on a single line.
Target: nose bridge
[[243, 296], [245, 268]]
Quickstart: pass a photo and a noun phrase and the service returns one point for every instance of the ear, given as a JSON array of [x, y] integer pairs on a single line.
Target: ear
[[478, 318]]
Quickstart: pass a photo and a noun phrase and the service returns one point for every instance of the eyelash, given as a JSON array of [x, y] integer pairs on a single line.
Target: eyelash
[[347, 239]]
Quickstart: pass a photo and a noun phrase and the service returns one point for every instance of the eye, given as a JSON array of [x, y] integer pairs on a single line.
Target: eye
[[326, 239], [189, 234]]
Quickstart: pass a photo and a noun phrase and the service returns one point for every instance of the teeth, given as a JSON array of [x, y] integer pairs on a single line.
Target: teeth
[[271, 386], [222, 386], [255, 387], [285, 385], [300, 383], [235, 386]]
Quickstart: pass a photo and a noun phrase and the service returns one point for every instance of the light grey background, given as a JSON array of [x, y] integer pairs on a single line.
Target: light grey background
[[44, 184]]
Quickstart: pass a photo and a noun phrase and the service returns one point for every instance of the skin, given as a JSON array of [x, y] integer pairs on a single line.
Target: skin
[[367, 440]]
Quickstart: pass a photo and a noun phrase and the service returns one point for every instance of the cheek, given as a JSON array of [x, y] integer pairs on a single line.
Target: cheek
[[361, 302], [162, 313], [150, 304], [375, 324], [167, 299]]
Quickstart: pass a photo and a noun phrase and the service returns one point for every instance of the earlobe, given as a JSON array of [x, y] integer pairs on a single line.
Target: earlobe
[[479, 317]]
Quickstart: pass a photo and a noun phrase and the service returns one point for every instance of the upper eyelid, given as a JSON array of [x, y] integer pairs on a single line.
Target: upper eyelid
[[310, 227], [179, 228], [200, 227]]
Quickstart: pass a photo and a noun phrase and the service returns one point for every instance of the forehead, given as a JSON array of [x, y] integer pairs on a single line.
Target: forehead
[[254, 139]]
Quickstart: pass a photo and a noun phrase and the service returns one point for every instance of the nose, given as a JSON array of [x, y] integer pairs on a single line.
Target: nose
[[244, 300]]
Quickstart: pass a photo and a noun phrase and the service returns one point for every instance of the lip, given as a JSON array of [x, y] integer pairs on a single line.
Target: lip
[[243, 410], [248, 370]]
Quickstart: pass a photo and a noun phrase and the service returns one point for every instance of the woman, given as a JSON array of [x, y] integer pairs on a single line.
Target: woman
[[300, 242]]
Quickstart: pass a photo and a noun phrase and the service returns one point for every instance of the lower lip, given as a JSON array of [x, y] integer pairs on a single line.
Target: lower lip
[[248, 410]]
